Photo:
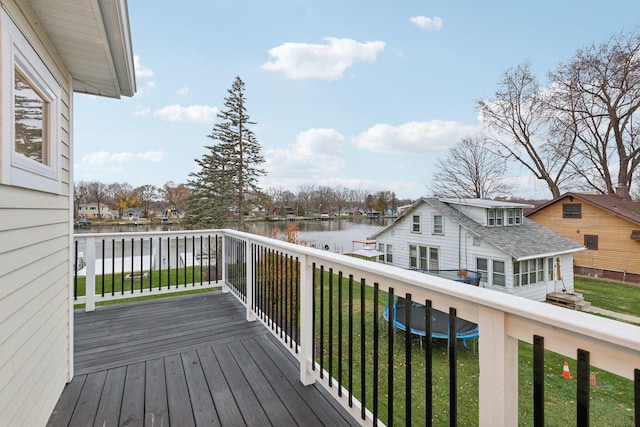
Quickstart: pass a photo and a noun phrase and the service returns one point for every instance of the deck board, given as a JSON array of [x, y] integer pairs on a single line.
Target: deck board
[[187, 360]]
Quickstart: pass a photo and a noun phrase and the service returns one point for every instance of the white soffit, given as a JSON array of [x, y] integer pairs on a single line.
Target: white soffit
[[94, 40]]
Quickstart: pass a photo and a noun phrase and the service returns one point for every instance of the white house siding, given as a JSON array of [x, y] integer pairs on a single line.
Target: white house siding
[[457, 250], [35, 232]]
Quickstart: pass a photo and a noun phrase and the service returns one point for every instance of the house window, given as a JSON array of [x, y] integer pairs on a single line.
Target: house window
[[438, 224], [424, 257], [571, 210], [514, 216], [491, 217], [550, 269], [434, 262], [482, 267], [30, 105], [499, 219], [591, 241], [529, 271], [415, 225], [499, 278], [387, 253]]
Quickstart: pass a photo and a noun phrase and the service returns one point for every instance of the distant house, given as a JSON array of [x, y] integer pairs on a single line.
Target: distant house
[[607, 225], [513, 253], [92, 210], [132, 214], [50, 49]]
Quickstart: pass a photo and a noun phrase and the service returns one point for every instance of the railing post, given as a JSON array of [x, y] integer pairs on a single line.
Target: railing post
[[498, 363], [250, 260], [90, 278], [223, 267], [306, 322]]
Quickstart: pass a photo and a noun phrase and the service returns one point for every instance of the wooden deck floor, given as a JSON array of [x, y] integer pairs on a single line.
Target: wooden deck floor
[[182, 361]]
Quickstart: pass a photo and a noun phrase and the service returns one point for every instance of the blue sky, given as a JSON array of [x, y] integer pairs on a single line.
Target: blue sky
[[363, 94]]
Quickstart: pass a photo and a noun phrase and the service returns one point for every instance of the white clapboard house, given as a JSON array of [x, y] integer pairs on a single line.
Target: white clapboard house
[[512, 253]]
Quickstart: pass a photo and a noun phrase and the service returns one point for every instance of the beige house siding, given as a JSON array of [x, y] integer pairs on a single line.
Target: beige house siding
[[616, 251], [35, 232]]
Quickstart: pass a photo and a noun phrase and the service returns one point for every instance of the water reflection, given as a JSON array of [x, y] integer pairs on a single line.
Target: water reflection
[[334, 235]]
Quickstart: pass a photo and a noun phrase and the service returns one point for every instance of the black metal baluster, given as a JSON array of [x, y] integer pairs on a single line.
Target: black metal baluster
[[375, 352], [151, 263], [184, 274], [350, 342], [428, 371], [122, 269], [340, 333], [363, 341], [75, 274], [281, 278], [103, 270], [132, 256], [407, 350], [391, 333], [160, 263], [538, 381], [330, 327], [453, 373], [287, 299], [141, 262], [113, 267], [193, 260], [321, 349], [636, 393], [217, 251], [202, 260], [582, 394], [313, 323], [297, 311]]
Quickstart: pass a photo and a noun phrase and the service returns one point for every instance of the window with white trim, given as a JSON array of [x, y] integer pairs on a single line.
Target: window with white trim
[[530, 271], [550, 269], [499, 277], [30, 111], [437, 221], [415, 224], [482, 267], [424, 257], [387, 253]]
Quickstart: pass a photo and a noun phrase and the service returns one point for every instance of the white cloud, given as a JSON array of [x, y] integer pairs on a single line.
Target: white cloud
[[183, 90], [316, 152], [412, 137], [321, 61], [102, 158], [141, 70], [427, 23], [141, 111], [192, 113]]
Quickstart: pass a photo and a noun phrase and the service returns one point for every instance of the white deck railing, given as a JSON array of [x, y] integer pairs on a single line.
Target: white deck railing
[[503, 319]]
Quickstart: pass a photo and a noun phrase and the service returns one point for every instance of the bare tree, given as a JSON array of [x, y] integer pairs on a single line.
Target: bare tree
[[80, 195], [147, 195], [519, 115], [124, 196], [98, 192], [470, 170], [598, 90], [305, 194], [175, 196]]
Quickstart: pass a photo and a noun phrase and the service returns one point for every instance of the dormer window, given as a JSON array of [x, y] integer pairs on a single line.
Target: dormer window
[[500, 217], [415, 224]]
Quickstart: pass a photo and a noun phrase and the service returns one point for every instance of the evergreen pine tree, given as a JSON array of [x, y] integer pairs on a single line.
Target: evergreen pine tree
[[229, 171]]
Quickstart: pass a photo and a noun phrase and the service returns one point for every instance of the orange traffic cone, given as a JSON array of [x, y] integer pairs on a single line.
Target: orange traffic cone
[[565, 371], [592, 379]]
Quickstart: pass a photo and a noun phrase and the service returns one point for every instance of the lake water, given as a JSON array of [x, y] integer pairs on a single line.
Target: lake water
[[333, 235]]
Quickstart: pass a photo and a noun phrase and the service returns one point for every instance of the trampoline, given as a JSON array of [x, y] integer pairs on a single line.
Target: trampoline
[[439, 321]]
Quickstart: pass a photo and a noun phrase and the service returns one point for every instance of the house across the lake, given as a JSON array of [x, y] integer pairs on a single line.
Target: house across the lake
[[607, 224], [513, 253]]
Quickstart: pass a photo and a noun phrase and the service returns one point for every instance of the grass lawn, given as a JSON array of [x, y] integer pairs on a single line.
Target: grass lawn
[[611, 399], [614, 296]]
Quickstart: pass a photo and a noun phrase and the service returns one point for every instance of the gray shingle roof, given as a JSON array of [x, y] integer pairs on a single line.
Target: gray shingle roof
[[529, 240]]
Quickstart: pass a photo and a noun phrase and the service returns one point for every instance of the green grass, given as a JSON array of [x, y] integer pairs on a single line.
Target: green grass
[[614, 296], [611, 401], [182, 278]]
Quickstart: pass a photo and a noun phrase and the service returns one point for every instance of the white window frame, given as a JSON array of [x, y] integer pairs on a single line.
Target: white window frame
[[415, 225], [422, 257], [387, 256], [439, 230], [17, 169], [496, 275], [491, 217]]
